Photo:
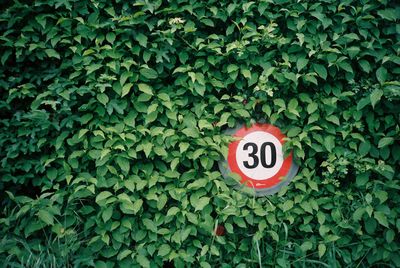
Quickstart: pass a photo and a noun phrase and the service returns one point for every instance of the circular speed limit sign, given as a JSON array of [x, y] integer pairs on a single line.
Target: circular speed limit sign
[[257, 156]]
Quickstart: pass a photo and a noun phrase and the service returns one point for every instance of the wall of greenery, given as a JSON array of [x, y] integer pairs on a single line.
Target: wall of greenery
[[112, 116]]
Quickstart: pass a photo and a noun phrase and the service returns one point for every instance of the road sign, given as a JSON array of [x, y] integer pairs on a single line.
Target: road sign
[[257, 156]]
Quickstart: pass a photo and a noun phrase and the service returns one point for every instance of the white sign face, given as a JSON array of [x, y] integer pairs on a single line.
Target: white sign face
[[259, 155]]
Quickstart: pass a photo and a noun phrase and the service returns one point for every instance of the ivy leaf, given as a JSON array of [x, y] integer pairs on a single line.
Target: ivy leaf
[[381, 74], [147, 148], [137, 205], [312, 107], [321, 250], [365, 66], [82, 132], [102, 196], [143, 261], [164, 250], [142, 39], [246, 73], [149, 73], [232, 68], [381, 218], [321, 70], [390, 234], [363, 102], [52, 53], [145, 88], [123, 163], [385, 142], [191, 132], [388, 14], [375, 96], [287, 205], [110, 37], [294, 132], [329, 143], [107, 213], [301, 63], [306, 246], [102, 98], [201, 203], [46, 217], [125, 89]]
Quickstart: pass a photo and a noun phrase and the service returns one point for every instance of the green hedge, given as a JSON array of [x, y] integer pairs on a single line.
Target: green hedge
[[112, 120]]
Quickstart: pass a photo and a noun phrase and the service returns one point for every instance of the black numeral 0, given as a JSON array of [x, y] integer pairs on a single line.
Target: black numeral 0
[[256, 160]]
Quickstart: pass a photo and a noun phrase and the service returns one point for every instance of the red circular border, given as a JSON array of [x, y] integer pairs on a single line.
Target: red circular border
[[234, 167]]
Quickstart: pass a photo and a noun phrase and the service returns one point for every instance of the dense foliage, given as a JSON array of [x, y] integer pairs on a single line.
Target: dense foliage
[[112, 116]]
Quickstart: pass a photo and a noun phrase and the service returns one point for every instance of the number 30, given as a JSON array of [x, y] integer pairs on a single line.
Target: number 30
[[256, 160]]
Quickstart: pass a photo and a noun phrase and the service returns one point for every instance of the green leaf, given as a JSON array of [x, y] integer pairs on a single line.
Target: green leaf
[[381, 74], [143, 261], [164, 250], [301, 63], [243, 113], [137, 206], [381, 218], [191, 132], [52, 53], [287, 205], [5, 56], [321, 250], [149, 73], [150, 225], [312, 107], [370, 225], [123, 163], [102, 98], [321, 70], [102, 196], [363, 102], [291, 76], [46, 217], [152, 108], [292, 106], [147, 148], [41, 19], [82, 132], [364, 148], [141, 38], [375, 96], [110, 37], [125, 89], [189, 27], [365, 66], [389, 235], [125, 253], [306, 246], [329, 143], [385, 142], [107, 213], [388, 14], [294, 132], [145, 88], [172, 211], [246, 73], [333, 119], [232, 68], [345, 66], [144, 97], [353, 51], [201, 203]]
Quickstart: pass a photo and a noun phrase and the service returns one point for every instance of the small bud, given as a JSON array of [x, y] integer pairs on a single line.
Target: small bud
[[220, 231]]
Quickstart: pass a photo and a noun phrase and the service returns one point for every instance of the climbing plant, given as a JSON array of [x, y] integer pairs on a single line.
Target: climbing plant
[[112, 120]]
